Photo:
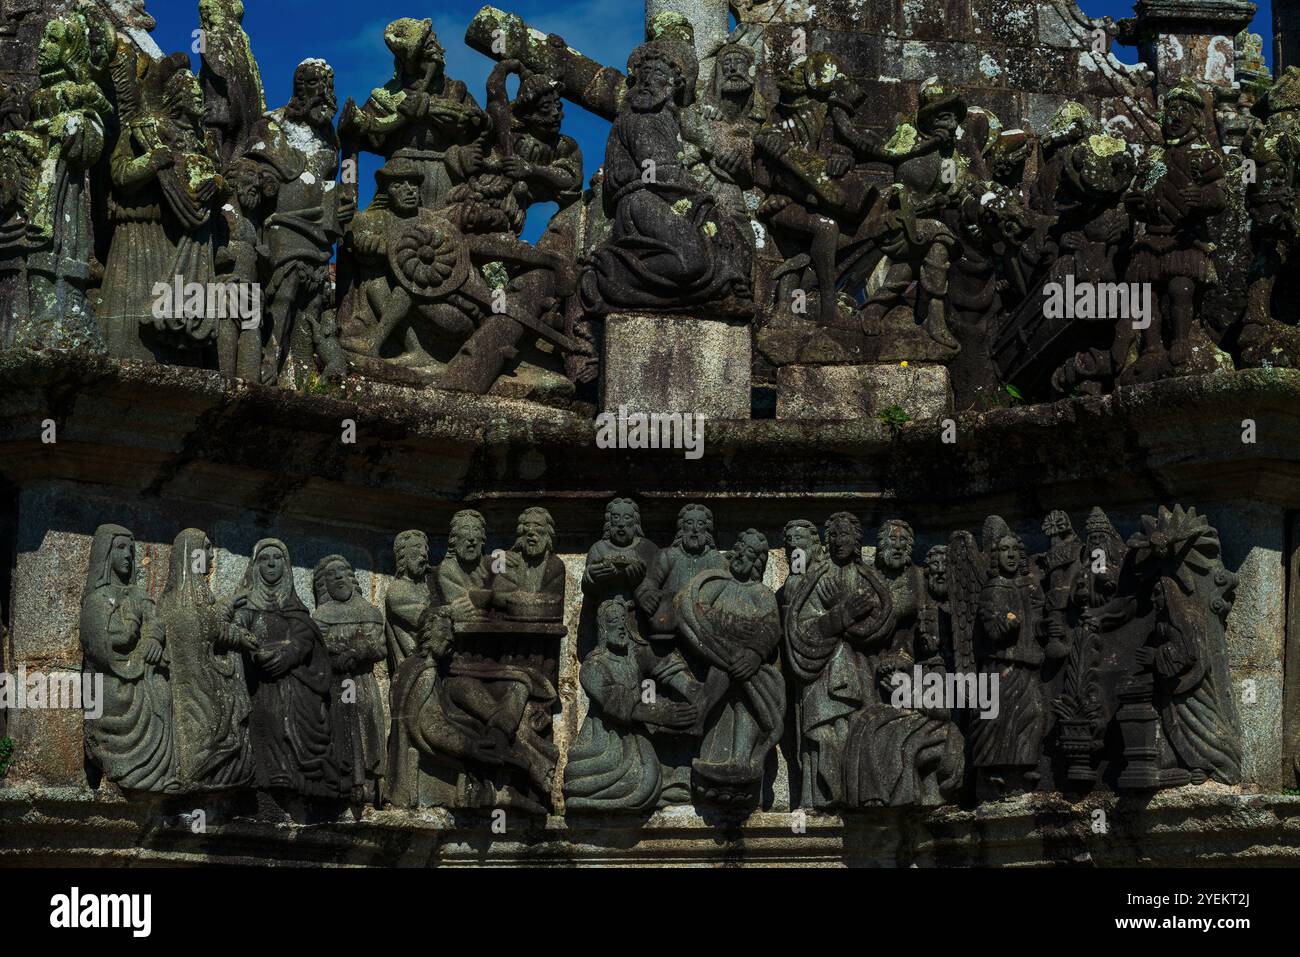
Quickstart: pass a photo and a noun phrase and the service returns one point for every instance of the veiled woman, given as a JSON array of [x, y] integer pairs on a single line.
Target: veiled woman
[[210, 696], [353, 630], [289, 677], [122, 644]]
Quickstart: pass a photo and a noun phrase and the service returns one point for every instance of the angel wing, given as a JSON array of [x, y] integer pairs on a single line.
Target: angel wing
[[967, 571]]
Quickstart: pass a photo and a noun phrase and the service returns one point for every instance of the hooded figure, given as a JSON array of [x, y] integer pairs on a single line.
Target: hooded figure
[[289, 677], [353, 630], [122, 644], [210, 698]]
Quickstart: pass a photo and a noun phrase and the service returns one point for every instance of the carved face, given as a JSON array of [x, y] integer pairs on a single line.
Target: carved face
[[733, 69], [895, 548], [415, 556], [936, 574], [843, 543], [403, 197], [338, 582], [622, 525], [270, 565], [746, 560], [469, 542], [800, 537], [122, 558], [533, 536], [185, 96], [944, 121], [654, 87], [1179, 119], [613, 622], [54, 43], [313, 96], [544, 117], [1010, 555], [696, 527], [431, 54]]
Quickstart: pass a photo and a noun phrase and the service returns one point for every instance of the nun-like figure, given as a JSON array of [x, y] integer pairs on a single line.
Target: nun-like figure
[[354, 635], [209, 696], [289, 678], [122, 644]]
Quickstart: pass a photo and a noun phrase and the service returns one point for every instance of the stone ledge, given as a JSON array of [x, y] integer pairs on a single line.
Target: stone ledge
[[169, 431], [1186, 827]]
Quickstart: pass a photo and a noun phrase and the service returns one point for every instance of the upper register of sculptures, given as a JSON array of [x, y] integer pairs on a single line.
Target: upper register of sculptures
[[748, 177]]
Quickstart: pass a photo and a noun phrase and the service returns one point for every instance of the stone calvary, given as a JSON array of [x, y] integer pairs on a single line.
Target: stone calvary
[[320, 489]]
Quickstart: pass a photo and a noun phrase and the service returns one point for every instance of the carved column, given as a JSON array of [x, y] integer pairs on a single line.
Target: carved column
[[1286, 35]]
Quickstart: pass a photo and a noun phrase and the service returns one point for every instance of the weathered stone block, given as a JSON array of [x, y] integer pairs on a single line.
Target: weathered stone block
[[861, 391], [689, 364]]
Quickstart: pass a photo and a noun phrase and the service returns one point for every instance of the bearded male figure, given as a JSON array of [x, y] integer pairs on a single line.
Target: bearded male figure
[[298, 144], [531, 587], [838, 615], [617, 564], [670, 244], [905, 580], [692, 551], [730, 620], [464, 574]]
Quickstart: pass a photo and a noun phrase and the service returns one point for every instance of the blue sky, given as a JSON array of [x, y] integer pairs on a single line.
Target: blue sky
[[350, 35]]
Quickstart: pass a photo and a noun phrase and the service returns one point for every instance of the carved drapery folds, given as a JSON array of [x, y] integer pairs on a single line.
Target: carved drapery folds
[[176, 220], [982, 671]]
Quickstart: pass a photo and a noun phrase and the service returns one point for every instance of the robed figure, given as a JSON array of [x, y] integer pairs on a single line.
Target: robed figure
[[122, 644], [289, 677]]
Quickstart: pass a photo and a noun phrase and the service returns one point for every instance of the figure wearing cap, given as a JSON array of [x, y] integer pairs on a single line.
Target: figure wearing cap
[[420, 115]]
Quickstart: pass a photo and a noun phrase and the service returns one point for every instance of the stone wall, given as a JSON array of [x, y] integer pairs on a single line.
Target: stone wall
[[160, 449]]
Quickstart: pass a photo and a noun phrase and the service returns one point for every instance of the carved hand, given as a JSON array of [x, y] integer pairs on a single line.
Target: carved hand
[[858, 606], [838, 164], [829, 591], [677, 714], [746, 664], [517, 168], [153, 651]]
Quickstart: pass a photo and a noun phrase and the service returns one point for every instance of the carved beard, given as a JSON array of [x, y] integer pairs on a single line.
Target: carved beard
[[318, 112], [543, 548]]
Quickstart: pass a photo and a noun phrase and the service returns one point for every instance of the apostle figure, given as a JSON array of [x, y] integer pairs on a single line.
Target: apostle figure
[[289, 678], [407, 597], [613, 764], [1009, 643], [617, 564], [122, 644], [209, 693], [464, 574], [531, 588], [729, 620], [692, 551], [837, 613], [353, 631]]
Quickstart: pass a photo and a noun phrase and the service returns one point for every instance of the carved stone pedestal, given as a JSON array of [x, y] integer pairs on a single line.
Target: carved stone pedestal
[[670, 363], [862, 391]]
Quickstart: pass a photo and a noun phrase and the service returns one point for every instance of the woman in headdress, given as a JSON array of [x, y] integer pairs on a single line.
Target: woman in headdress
[[353, 630], [289, 677], [122, 644], [210, 697]]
